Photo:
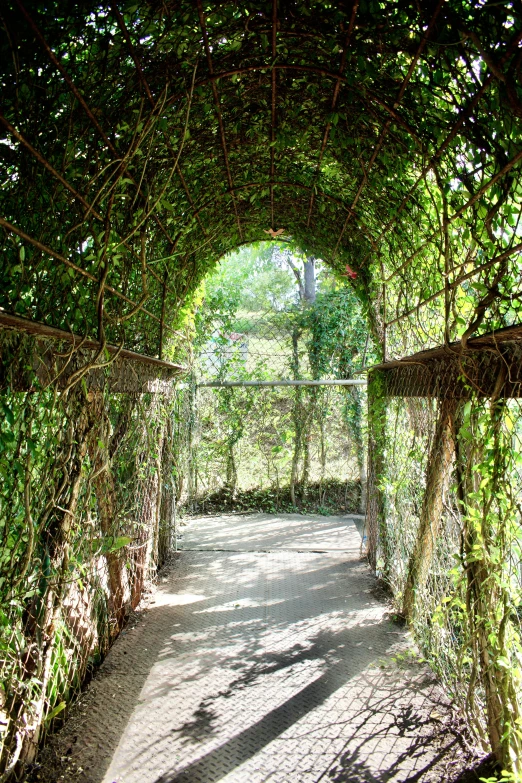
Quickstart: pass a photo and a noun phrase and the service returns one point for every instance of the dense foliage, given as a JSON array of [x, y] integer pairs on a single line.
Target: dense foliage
[[143, 141], [385, 136], [285, 447]]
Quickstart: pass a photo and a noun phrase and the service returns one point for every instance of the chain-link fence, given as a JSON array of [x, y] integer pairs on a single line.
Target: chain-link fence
[[281, 446], [445, 523], [252, 345], [87, 515], [275, 448], [271, 345]]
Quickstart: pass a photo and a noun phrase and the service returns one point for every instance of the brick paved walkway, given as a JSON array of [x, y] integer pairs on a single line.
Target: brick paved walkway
[[272, 662]]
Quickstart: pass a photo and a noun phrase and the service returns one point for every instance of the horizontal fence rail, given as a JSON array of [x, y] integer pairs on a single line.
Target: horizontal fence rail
[[340, 382]]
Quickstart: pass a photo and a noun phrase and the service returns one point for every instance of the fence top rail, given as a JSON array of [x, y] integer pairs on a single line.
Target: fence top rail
[[455, 349], [17, 323], [335, 382]]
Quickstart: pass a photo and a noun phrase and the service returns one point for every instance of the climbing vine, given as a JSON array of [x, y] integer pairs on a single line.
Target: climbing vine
[[86, 514], [299, 445], [142, 142]]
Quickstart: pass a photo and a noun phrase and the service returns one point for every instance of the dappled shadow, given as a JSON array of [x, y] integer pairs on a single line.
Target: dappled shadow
[[261, 532], [351, 769], [260, 667], [343, 661], [201, 726], [219, 762]]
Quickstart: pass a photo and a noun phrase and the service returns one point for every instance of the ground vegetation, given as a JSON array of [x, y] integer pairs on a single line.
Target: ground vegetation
[[285, 446]]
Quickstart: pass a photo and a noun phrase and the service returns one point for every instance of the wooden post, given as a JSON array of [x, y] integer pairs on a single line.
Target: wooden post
[[440, 463], [376, 526], [490, 531]]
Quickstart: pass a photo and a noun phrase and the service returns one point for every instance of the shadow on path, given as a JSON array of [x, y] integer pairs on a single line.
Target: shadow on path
[[258, 667]]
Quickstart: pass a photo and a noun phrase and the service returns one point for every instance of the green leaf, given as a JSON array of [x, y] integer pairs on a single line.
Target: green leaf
[[56, 711], [8, 413], [118, 542]]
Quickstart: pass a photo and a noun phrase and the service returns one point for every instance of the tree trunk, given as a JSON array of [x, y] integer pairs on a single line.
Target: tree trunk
[[105, 492], [364, 485], [149, 493], [306, 283], [305, 475], [354, 426], [192, 447], [440, 464], [491, 519], [167, 532], [231, 471], [376, 524], [308, 414], [309, 280], [322, 452], [297, 444], [296, 416]]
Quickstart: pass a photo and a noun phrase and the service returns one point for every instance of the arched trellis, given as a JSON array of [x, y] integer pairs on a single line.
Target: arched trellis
[[143, 142], [373, 202]]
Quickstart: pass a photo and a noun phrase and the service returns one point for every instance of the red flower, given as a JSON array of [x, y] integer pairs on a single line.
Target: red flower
[[350, 273]]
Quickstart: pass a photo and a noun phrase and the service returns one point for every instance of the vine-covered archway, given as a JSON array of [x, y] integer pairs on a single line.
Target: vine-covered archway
[[146, 141], [141, 142]]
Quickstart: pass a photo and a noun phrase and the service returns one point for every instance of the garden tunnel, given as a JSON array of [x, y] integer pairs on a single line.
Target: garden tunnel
[[142, 141]]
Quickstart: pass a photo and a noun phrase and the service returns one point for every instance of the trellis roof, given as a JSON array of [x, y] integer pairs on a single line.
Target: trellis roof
[[142, 141]]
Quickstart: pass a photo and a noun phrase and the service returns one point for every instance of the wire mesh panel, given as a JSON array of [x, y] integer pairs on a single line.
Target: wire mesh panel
[[285, 447], [87, 515], [263, 346], [446, 522]]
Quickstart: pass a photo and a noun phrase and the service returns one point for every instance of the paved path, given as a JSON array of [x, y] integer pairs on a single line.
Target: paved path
[[272, 662]]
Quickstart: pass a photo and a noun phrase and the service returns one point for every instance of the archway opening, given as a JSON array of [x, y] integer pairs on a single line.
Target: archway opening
[[277, 397]]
